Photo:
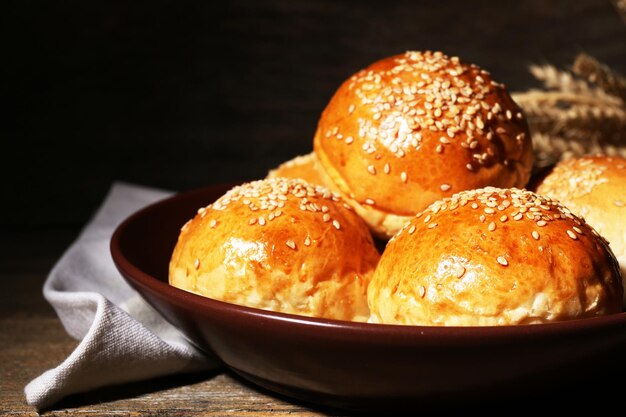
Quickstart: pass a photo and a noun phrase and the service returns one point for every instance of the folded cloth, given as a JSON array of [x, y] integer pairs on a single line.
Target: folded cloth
[[122, 338]]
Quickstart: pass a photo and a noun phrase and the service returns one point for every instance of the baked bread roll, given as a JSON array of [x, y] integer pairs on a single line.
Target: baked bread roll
[[413, 128], [494, 257], [281, 245], [301, 167], [594, 187]]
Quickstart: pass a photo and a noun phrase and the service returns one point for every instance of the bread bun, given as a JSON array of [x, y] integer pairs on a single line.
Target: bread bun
[[301, 167], [494, 257], [594, 187], [281, 245], [413, 128]]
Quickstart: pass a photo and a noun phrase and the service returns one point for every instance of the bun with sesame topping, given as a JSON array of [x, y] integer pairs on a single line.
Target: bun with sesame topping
[[413, 128], [278, 244], [494, 257], [594, 187], [303, 167]]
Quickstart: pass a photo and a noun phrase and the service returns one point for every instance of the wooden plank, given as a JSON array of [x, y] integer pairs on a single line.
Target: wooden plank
[[29, 346]]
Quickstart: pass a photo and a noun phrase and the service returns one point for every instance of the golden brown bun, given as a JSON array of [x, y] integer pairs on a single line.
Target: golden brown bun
[[594, 187], [494, 257], [413, 128], [281, 245], [303, 167]]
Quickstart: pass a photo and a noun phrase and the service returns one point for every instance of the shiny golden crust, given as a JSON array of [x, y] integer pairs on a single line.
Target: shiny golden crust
[[301, 167], [413, 128], [494, 257], [278, 244], [594, 187]]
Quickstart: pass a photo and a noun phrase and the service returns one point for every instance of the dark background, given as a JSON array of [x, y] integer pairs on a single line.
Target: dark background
[[179, 94]]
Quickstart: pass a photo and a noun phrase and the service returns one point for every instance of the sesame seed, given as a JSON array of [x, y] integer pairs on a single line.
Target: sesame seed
[[492, 227], [460, 271], [196, 263], [291, 244], [307, 241], [212, 223], [502, 261], [439, 148], [412, 230], [351, 108], [541, 223], [619, 203], [518, 216], [432, 225], [474, 205], [427, 218], [403, 177], [386, 169], [326, 217], [349, 140], [371, 169], [369, 201], [377, 116], [535, 234], [572, 234], [489, 210], [336, 225], [252, 221], [469, 167], [509, 115], [262, 221], [444, 139], [504, 218], [445, 187], [577, 230], [422, 291]]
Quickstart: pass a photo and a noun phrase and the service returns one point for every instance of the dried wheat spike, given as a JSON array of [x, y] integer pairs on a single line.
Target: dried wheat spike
[[550, 149], [601, 75]]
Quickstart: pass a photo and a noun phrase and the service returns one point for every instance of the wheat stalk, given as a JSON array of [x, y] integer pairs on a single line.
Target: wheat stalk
[[600, 74], [578, 113]]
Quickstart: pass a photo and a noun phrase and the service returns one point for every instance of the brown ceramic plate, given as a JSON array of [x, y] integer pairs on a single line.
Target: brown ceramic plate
[[357, 365]]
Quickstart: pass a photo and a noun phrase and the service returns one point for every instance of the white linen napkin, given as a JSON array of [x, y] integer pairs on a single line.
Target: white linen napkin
[[122, 338]]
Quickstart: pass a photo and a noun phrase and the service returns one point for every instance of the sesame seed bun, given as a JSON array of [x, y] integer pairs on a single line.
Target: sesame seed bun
[[303, 167], [494, 257], [594, 187], [281, 245], [413, 128]]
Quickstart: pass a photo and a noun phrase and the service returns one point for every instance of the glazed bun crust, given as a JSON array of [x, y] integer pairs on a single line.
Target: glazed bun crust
[[594, 187], [413, 128], [280, 245], [494, 257], [304, 167]]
